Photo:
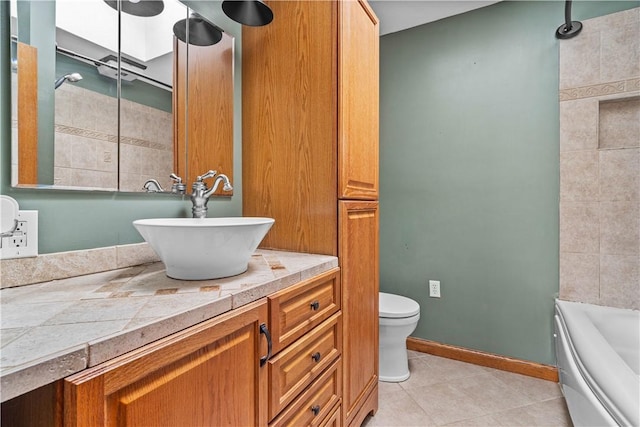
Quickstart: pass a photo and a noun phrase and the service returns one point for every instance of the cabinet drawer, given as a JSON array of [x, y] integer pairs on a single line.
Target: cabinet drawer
[[297, 366], [318, 405], [334, 419], [296, 310]]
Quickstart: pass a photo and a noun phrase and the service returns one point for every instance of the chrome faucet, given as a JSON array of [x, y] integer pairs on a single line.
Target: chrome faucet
[[153, 186], [200, 193]]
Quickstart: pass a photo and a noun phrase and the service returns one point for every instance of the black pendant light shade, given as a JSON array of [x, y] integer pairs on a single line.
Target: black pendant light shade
[[143, 8], [201, 32], [248, 12]]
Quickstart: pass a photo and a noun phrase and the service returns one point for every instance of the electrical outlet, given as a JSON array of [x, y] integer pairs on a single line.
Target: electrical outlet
[[434, 288], [24, 241], [18, 240]]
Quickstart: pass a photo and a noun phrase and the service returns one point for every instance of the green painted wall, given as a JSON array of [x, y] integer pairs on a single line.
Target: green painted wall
[[469, 139], [71, 220]]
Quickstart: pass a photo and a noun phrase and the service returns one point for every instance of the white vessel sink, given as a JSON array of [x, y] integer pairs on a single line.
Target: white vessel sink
[[204, 248]]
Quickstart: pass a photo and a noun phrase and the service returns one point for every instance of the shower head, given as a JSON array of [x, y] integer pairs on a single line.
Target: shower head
[[73, 77], [570, 28]]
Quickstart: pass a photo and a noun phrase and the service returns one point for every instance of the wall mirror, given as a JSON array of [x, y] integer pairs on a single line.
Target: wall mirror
[[106, 96]]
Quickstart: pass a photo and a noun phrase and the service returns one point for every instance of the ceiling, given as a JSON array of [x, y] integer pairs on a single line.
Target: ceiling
[[397, 15]]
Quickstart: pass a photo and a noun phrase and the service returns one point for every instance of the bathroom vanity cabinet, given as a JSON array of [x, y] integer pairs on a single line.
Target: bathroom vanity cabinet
[[310, 159], [215, 372], [209, 374]]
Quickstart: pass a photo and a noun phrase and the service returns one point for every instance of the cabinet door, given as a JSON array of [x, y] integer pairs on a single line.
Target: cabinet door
[[359, 267], [358, 71], [207, 375]]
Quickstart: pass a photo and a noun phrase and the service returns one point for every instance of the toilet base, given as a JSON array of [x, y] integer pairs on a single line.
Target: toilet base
[[399, 379], [394, 363]]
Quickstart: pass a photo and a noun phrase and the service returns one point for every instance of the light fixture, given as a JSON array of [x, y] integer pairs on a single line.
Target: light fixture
[[144, 8], [248, 12], [200, 32]]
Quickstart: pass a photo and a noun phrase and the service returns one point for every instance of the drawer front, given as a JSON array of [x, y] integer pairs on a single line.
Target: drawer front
[[334, 419], [297, 366], [297, 310], [318, 405]]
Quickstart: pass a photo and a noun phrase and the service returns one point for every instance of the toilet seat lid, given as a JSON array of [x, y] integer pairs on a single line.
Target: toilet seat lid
[[397, 306]]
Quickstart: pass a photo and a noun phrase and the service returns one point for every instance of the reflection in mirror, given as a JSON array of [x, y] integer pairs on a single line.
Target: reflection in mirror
[[95, 102], [146, 120]]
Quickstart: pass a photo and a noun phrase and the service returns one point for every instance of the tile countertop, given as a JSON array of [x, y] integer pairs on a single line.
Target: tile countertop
[[54, 329]]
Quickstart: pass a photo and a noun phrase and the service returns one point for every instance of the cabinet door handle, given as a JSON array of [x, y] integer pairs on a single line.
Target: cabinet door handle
[[316, 356], [264, 330], [315, 409], [315, 306]]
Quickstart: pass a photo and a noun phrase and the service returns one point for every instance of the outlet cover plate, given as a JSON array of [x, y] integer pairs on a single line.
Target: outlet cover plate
[[28, 232], [434, 288]]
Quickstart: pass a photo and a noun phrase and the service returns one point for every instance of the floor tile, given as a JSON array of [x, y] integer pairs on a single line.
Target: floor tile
[[398, 411], [445, 392]]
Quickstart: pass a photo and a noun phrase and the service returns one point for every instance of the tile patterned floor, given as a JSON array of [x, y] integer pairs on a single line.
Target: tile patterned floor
[[445, 392]]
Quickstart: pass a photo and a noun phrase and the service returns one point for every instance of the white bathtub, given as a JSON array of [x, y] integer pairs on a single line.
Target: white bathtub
[[598, 353]]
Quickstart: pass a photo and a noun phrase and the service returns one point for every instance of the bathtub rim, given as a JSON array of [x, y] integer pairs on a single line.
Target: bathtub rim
[[606, 375]]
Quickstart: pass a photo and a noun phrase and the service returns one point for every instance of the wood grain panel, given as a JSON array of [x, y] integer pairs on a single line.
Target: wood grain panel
[[294, 368], [524, 367], [368, 407], [289, 128], [207, 142], [41, 407], [291, 312], [359, 253], [324, 393], [334, 419], [358, 101], [27, 114], [205, 375]]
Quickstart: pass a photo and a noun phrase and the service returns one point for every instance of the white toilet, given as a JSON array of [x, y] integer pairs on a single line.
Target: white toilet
[[398, 319]]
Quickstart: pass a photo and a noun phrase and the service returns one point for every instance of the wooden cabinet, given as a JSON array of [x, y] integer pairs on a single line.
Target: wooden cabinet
[[310, 155], [358, 103], [289, 128], [305, 372], [359, 251], [215, 373], [207, 375]]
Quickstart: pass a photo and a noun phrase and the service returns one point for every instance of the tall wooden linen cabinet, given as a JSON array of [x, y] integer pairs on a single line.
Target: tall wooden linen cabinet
[[310, 159]]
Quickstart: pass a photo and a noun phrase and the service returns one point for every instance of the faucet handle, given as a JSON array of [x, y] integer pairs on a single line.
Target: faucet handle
[[177, 187], [209, 174], [175, 178]]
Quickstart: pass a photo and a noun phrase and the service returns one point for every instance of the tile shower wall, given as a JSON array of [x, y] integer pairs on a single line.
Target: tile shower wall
[[600, 162], [86, 135]]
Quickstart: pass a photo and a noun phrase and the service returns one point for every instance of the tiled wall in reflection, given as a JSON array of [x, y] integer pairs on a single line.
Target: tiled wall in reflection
[[86, 135], [600, 162]]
